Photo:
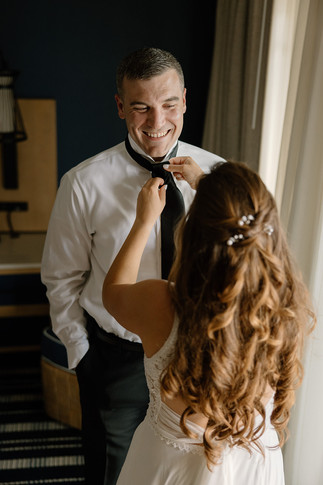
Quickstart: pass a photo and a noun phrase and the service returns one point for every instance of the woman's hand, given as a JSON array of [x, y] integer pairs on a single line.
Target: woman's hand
[[151, 201], [185, 168]]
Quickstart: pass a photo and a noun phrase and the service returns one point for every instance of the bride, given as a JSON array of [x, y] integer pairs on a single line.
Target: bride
[[222, 338]]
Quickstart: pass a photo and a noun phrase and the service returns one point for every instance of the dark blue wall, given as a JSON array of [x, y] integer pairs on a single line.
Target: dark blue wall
[[69, 49]]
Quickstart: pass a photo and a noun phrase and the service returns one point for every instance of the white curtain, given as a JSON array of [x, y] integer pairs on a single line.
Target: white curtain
[[291, 164], [236, 92]]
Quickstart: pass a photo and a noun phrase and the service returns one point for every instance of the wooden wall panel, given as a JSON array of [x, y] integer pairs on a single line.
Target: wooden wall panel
[[37, 167]]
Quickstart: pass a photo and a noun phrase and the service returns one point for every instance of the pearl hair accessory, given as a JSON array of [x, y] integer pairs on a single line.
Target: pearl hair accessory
[[268, 229], [241, 222], [233, 239], [246, 220]]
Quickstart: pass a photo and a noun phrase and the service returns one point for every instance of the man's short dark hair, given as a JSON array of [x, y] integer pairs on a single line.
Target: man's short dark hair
[[146, 63]]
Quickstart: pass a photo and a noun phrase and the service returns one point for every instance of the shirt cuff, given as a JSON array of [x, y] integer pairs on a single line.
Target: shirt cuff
[[76, 353]]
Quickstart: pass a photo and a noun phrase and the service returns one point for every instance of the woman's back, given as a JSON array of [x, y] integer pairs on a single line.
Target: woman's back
[[161, 453]]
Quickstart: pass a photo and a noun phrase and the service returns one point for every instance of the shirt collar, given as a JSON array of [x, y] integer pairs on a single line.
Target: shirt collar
[[141, 152]]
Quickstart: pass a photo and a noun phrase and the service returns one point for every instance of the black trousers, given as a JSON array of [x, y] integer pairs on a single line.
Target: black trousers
[[114, 399]]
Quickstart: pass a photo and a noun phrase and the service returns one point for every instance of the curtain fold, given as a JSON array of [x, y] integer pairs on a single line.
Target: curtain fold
[[302, 215], [237, 85], [297, 175]]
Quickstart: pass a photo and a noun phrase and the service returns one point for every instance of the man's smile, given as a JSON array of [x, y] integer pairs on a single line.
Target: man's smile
[[156, 135]]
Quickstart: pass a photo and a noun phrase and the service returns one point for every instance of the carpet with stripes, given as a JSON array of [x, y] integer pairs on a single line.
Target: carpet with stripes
[[34, 449]]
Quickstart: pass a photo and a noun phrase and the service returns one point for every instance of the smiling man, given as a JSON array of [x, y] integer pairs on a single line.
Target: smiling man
[[153, 109], [94, 208]]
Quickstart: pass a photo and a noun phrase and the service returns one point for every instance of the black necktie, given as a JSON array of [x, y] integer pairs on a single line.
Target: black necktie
[[174, 208]]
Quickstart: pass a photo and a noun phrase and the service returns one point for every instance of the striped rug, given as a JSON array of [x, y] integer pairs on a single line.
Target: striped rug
[[34, 449]]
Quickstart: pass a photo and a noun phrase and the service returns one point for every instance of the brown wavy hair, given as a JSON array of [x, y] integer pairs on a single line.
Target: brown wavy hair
[[243, 312]]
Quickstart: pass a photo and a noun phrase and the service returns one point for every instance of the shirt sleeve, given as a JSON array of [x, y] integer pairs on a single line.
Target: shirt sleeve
[[64, 270]]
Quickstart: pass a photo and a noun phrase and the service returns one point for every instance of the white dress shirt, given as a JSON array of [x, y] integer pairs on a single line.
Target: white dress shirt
[[92, 215]]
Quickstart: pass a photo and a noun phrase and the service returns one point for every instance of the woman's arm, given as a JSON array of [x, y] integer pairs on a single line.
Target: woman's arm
[[133, 304], [121, 295]]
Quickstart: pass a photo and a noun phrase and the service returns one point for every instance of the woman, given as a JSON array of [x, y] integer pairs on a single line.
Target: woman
[[222, 338]]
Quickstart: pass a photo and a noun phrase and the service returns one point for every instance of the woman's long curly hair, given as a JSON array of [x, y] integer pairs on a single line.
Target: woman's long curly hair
[[243, 312]]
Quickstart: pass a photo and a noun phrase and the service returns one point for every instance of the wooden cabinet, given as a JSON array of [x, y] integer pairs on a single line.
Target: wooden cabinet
[[24, 308]]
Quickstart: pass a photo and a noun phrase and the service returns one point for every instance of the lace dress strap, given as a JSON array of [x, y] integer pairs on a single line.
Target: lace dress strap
[[165, 421]]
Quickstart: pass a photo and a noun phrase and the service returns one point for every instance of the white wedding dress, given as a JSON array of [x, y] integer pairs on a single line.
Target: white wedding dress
[[161, 454]]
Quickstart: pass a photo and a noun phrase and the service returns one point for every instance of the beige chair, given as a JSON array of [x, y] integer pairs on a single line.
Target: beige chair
[[60, 386]]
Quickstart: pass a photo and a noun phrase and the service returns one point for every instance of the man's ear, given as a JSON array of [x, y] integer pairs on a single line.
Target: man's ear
[[184, 101], [120, 106]]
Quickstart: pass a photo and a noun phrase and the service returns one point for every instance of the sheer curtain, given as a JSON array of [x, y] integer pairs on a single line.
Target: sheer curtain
[[291, 163], [236, 91]]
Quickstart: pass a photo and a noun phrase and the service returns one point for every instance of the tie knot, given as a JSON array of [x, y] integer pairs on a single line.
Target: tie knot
[[158, 170]]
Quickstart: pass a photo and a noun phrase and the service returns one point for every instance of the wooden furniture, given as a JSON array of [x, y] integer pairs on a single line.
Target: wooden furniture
[[20, 257], [37, 168], [21, 293], [60, 385]]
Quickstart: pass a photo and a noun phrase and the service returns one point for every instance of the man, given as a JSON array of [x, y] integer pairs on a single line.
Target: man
[[94, 208]]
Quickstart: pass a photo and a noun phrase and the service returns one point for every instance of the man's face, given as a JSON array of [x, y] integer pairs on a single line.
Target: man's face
[[153, 110]]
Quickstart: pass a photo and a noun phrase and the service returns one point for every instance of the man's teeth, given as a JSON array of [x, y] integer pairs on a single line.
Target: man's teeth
[[156, 135]]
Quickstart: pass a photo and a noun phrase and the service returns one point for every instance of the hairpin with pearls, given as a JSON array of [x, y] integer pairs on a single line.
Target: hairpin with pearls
[[268, 229], [241, 222], [235, 238], [246, 220]]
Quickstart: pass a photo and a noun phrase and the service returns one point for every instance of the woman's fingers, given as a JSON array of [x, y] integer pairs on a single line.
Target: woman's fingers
[[151, 200], [185, 168]]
